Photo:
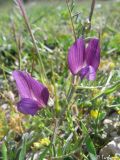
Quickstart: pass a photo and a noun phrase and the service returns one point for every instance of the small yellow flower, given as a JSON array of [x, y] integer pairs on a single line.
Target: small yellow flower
[[118, 111], [2, 134], [40, 143], [115, 158], [45, 141], [111, 65], [94, 113], [36, 145], [105, 35]]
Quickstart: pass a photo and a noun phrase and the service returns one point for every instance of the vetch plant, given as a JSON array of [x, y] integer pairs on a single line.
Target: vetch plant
[[83, 61], [71, 127]]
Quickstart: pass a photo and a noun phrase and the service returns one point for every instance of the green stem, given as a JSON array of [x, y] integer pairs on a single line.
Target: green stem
[[18, 42], [32, 37], [64, 156], [92, 9], [89, 18], [71, 91], [97, 121], [54, 135], [73, 28], [59, 121], [91, 12]]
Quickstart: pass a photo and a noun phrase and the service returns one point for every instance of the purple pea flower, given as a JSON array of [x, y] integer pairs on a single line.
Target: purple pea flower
[[34, 95], [84, 61]]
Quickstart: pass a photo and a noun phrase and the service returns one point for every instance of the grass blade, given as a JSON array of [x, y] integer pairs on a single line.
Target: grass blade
[[23, 151], [4, 151], [89, 143]]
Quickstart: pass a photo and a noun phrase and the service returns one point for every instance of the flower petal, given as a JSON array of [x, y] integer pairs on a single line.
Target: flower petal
[[88, 72], [91, 74], [93, 53], [76, 56], [39, 91], [31, 88], [45, 96], [22, 84], [28, 106], [84, 72]]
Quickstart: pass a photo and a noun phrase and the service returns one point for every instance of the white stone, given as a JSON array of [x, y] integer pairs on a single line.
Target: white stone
[[111, 148]]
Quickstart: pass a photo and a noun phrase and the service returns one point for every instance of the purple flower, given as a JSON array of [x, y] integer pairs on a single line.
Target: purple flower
[[84, 61], [34, 95]]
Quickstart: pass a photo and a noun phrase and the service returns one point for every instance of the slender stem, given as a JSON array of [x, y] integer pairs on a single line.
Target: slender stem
[[83, 31], [99, 109], [54, 135], [27, 24], [19, 51], [97, 120], [59, 121], [55, 131], [17, 43], [70, 93], [89, 87], [71, 90], [92, 9], [91, 13], [68, 99], [73, 28], [32, 36], [6, 80], [89, 18], [108, 81]]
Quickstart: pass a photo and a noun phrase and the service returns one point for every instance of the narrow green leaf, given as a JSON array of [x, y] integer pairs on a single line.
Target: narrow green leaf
[[43, 154], [23, 151], [113, 88], [5, 69], [108, 90], [4, 151], [89, 144]]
